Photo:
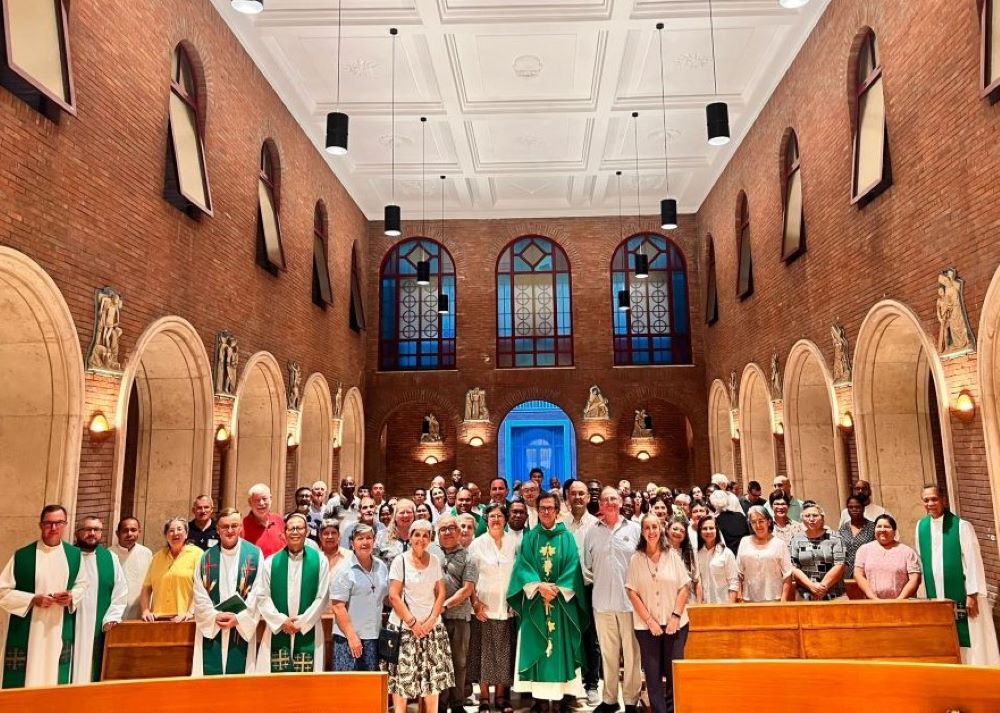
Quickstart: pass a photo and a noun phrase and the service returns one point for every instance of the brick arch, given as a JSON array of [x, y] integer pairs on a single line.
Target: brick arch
[[375, 418], [517, 229], [399, 459], [194, 57], [672, 450]]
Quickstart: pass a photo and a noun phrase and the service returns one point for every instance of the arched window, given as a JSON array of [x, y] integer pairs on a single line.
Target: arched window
[[322, 293], [417, 326], [990, 51], [356, 312], [34, 64], [744, 274], [655, 329], [187, 174], [872, 171], [270, 253], [534, 310], [712, 291], [793, 239]]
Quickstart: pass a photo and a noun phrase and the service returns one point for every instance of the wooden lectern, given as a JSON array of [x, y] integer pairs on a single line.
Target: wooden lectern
[[137, 649]]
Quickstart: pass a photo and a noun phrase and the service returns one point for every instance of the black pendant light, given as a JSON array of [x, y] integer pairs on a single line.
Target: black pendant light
[[248, 7], [716, 113], [623, 305], [336, 122], [641, 266], [623, 296], [442, 296], [423, 272], [442, 303], [393, 215], [641, 261], [424, 265], [668, 206]]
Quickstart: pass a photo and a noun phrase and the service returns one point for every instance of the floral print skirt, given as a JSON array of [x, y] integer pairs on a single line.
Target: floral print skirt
[[424, 667]]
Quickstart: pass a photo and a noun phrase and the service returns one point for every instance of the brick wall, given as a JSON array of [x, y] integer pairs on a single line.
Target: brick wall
[[401, 398], [941, 210], [84, 199]]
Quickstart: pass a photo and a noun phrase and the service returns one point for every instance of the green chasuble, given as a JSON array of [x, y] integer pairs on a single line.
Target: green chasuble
[[208, 570], [16, 651], [284, 657], [105, 589], [551, 638], [953, 587]]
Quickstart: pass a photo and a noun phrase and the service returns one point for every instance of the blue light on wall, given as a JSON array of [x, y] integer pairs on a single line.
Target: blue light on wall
[[536, 434]]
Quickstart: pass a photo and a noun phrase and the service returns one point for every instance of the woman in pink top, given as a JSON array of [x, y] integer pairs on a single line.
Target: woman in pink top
[[885, 568]]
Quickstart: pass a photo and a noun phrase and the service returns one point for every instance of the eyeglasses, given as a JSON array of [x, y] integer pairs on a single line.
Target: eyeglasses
[[546, 508], [295, 529], [53, 524], [447, 528]]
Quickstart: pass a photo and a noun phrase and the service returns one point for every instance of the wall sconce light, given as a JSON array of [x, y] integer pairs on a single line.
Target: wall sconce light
[[431, 460], [597, 439], [643, 456], [846, 424], [779, 430], [292, 442], [965, 407], [736, 434], [476, 441], [100, 428], [222, 438]]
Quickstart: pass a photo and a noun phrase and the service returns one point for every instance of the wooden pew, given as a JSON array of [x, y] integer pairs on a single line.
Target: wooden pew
[[296, 693], [835, 686], [912, 630]]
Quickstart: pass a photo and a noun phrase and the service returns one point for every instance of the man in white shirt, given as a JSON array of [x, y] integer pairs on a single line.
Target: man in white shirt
[[608, 548], [103, 604], [517, 521], [317, 503], [134, 559], [579, 522], [862, 490], [529, 494]]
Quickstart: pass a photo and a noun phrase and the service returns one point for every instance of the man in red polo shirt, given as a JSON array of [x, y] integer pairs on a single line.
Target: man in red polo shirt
[[261, 526]]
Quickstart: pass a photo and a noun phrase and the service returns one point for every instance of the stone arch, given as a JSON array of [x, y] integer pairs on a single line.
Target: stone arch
[[720, 432], [989, 383], [314, 461], [756, 423], [260, 439], [163, 455], [41, 398], [816, 464], [352, 436], [901, 413]]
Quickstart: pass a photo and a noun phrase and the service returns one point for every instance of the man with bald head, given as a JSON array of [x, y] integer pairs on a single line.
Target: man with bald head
[[781, 482], [862, 490]]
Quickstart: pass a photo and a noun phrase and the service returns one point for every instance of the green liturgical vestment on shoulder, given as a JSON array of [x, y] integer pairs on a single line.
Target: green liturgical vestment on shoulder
[[551, 638]]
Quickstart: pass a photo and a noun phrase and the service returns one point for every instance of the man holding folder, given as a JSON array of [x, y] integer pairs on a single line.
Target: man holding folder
[[225, 596]]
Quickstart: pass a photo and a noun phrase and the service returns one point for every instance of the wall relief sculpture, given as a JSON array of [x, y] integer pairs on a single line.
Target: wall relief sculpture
[[227, 359], [955, 333], [431, 430], [841, 354], [103, 354], [475, 405], [597, 406], [294, 385], [642, 426]]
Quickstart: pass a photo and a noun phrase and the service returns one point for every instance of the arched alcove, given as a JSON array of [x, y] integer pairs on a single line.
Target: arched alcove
[[756, 434], [315, 432], [352, 436], [164, 449], [989, 383], [41, 399], [259, 449], [720, 435], [669, 455], [812, 442], [536, 434], [411, 458], [901, 413]]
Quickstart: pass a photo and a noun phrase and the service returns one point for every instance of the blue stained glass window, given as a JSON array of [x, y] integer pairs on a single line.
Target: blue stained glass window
[[656, 327], [413, 335]]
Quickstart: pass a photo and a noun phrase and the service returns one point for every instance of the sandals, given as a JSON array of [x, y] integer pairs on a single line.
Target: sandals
[[484, 707], [506, 707]]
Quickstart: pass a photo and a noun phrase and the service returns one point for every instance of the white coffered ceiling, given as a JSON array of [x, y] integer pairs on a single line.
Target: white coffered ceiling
[[528, 102]]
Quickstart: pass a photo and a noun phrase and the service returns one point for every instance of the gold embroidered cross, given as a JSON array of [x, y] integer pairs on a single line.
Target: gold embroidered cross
[[279, 660], [303, 663], [547, 550], [16, 659], [551, 625]]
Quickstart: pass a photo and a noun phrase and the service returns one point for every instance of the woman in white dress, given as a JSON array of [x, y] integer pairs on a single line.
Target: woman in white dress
[[719, 577], [764, 562]]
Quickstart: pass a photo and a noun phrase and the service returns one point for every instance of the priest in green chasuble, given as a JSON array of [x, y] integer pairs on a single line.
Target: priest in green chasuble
[[547, 593], [225, 602], [294, 591], [40, 587], [103, 604]]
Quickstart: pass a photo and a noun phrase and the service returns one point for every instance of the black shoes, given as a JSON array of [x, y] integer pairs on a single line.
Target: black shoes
[[608, 708]]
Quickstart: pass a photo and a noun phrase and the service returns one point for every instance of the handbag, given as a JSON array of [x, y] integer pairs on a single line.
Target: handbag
[[390, 635]]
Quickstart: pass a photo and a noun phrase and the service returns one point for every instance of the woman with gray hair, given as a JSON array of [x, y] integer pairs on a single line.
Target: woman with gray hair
[[763, 561], [357, 597], [168, 591]]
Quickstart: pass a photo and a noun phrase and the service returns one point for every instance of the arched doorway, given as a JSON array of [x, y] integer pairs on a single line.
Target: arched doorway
[[260, 427], [901, 413], [164, 455], [41, 399], [756, 437], [720, 432], [315, 432], [536, 434], [352, 436], [812, 442], [989, 381]]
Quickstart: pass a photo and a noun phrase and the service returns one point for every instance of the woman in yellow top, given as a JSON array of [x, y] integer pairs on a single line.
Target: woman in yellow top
[[169, 587]]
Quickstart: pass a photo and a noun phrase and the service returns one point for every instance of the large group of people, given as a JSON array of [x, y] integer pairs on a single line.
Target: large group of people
[[543, 594]]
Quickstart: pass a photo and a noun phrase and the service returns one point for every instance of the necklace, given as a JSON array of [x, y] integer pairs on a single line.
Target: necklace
[[371, 580], [652, 570]]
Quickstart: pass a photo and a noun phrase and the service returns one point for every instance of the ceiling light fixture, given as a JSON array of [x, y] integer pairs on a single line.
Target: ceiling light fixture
[[716, 113], [393, 215], [336, 122], [248, 7], [641, 260], [793, 4], [623, 296], [443, 307], [668, 206], [623, 305], [424, 265]]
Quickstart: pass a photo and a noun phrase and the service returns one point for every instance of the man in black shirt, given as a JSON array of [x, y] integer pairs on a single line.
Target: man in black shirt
[[201, 530]]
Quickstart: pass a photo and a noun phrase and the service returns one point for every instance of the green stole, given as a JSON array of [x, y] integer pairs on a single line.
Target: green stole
[[285, 658], [551, 647], [105, 588], [211, 649], [16, 651], [954, 573]]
